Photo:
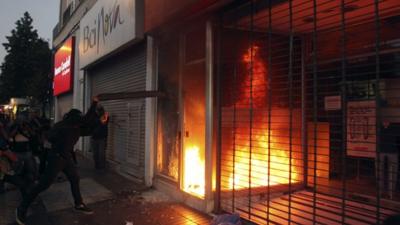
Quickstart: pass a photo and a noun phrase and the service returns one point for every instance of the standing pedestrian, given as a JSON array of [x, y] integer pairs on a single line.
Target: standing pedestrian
[[21, 135], [388, 161], [46, 145], [3, 147], [99, 138], [35, 141], [63, 136]]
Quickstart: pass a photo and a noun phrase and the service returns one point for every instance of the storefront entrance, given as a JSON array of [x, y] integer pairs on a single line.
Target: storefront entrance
[[181, 111], [309, 113]]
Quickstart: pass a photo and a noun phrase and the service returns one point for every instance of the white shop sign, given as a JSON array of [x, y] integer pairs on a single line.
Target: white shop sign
[[361, 129], [107, 26]]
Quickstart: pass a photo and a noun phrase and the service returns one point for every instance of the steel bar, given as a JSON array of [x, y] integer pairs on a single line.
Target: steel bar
[[344, 106], [218, 93], [290, 78], [129, 95], [315, 107], [251, 103], [269, 88], [377, 104]]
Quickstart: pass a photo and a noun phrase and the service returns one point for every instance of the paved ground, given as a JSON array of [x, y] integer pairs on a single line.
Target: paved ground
[[115, 200]]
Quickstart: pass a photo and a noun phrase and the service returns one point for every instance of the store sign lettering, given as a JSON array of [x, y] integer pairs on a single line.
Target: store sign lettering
[[107, 26], [64, 67], [103, 26]]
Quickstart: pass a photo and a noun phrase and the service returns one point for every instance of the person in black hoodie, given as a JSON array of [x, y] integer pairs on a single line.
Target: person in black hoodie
[[99, 138], [63, 136]]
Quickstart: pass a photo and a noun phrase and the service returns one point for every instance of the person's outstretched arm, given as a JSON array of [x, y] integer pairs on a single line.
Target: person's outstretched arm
[[91, 113], [87, 126]]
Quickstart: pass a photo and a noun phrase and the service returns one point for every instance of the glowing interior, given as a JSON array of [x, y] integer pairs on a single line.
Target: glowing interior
[[260, 156]]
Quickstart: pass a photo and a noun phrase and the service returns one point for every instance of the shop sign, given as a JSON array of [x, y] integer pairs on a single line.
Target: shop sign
[[107, 26], [361, 129], [64, 67], [332, 102]]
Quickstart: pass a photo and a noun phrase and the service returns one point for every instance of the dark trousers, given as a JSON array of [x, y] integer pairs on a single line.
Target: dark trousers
[[43, 160], [55, 164], [99, 152], [15, 180], [29, 168], [19, 182]]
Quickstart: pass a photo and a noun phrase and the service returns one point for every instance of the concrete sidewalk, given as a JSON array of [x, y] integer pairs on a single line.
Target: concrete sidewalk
[[114, 199]]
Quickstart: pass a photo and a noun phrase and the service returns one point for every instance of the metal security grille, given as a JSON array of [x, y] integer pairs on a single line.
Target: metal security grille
[[309, 111], [122, 73]]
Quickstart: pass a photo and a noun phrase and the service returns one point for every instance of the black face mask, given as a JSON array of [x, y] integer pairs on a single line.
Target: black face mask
[[73, 117]]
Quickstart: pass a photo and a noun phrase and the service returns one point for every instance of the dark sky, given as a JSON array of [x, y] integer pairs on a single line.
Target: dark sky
[[43, 12]]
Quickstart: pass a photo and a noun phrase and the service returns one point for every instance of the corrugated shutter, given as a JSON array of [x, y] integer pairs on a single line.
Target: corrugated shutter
[[124, 72]]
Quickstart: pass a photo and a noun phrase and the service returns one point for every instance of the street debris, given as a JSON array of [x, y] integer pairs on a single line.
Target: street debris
[[227, 219]]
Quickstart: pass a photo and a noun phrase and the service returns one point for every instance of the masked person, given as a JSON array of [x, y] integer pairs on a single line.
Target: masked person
[[99, 138], [63, 136]]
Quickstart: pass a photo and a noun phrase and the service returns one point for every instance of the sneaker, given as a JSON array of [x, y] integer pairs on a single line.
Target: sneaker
[[83, 209], [20, 216]]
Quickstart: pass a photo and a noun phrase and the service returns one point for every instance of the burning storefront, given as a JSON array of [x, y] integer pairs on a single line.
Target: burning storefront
[[302, 99], [182, 118], [282, 111]]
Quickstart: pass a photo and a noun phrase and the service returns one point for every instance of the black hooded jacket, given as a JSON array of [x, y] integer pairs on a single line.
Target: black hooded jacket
[[63, 136]]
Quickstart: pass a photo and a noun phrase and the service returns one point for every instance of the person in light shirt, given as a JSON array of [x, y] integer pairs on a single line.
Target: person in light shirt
[[20, 135]]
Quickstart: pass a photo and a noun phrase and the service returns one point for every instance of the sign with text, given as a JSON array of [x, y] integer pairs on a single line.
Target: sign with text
[[361, 129], [332, 102], [107, 26], [64, 67]]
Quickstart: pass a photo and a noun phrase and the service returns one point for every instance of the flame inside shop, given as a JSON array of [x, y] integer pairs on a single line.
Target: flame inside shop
[[292, 132]]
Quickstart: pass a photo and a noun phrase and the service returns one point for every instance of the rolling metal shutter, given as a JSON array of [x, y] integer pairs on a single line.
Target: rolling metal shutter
[[125, 72]]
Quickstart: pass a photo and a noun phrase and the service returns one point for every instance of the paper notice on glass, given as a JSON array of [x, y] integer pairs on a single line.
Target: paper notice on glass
[[332, 102], [361, 129]]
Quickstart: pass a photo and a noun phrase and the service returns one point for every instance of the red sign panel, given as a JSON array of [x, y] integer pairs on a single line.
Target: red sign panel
[[64, 67]]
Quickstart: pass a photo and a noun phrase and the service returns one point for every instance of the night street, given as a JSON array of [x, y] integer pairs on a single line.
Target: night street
[[199, 112], [114, 199]]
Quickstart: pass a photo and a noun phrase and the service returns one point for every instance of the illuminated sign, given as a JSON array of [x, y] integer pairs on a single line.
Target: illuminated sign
[[64, 67], [107, 26]]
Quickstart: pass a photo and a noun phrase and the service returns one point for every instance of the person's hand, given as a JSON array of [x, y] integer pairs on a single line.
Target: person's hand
[[95, 99], [104, 118]]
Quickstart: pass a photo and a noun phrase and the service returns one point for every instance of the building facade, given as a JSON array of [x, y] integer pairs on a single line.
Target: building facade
[[109, 60], [280, 111], [66, 31]]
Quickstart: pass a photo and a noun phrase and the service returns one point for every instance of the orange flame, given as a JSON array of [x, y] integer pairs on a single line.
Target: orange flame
[[254, 86], [252, 150], [194, 174]]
